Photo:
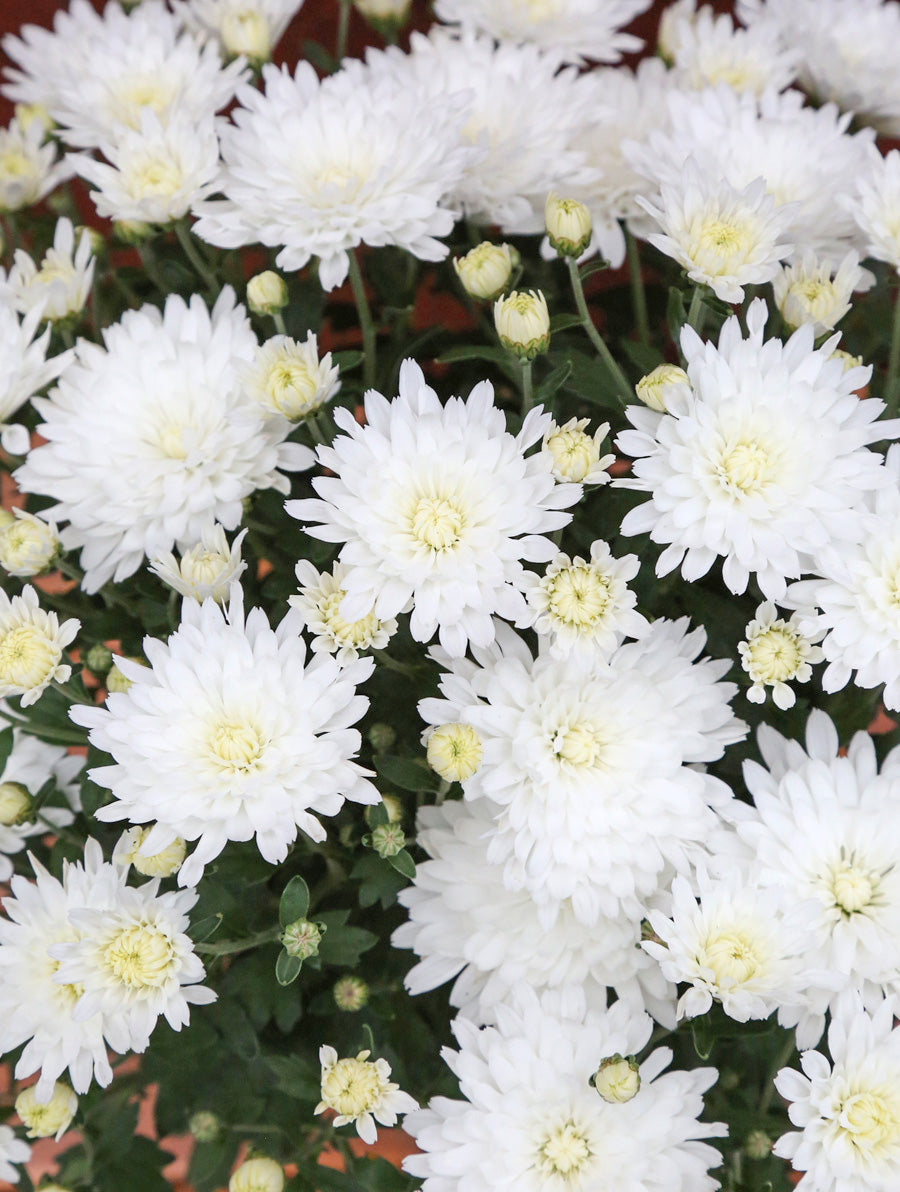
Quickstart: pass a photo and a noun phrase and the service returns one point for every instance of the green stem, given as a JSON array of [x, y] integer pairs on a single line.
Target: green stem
[[343, 29], [150, 261], [67, 337], [64, 692], [367, 326], [638, 295], [781, 1059], [232, 947], [186, 240], [890, 384], [696, 311], [278, 320], [624, 390], [527, 387]]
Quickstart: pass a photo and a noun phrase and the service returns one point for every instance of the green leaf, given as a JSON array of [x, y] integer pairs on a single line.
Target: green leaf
[[205, 927], [562, 322], [676, 312], [704, 1036], [319, 57], [404, 864], [6, 744], [287, 968], [378, 882], [344, 945], [589, 268], [498, 356], [645, 357], [294, 902], [346, 361], [295, 1078], [408, 773], [377, 816], [556, 379]]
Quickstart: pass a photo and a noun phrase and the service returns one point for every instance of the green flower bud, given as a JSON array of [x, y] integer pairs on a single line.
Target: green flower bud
[[98, 659], [381, 737], [301, 938], [387, 840], [205, 1126], [350, 994]]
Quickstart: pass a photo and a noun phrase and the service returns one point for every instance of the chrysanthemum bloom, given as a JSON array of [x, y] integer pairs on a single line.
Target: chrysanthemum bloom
[[818, 292], [708, 49], [31, 646], [288, 379], [437, 506], [455, 751], [576, 30], [723, 237], [726, 467], [140, 965], [876, 207], [249, 27], [320, 167], [205, 571], [845, 51], [319, 602], [28, 544], [45, 1119], [521, 112], [24, 370], [95, 71], [823, 830], [61, 284], [585, 605], [804, 155], [190, 445], [857, 594], [530, 1120], [230, 735], [848, 1110], [12, 1150], [359, 1090], [30, 763], [776, 653], [734, 943], [466, 926], [28, 167], [583, 759], [155, 172], [574, 455]]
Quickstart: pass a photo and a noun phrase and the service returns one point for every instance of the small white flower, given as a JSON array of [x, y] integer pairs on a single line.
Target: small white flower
[[618, 1079], [319, 602], [12, 1150], [28, 167], [574, 455], [455, 751], [31, 646], [287, 378], [359, 1090], [61, 285], [876, 207], [267, 293], [568, 224], [585, 604], [814, 291], [709, 49], [24, 370], [249, 27], [485, 270], [775, 653], [207, 570], [28, 544], [45, 1118]]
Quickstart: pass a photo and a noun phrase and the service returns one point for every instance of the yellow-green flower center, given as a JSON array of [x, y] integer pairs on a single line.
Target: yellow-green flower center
[[745, 468], [140, 957], [236, 745], [564, 1152], [852, 887], [455, 751], [579, 595], [358, 634], [27, 657], [733, 958], [577, 744], [352, 1087], [437, 523], [155, 176], [870, 1120], [774, 656]]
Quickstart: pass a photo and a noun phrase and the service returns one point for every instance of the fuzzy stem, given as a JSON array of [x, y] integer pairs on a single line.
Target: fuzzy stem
[[622, 387], [185, 239], [527, 387]]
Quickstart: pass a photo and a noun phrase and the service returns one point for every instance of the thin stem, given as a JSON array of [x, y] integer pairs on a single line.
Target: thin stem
[[150, 261], [623, 389], [185, 239], [696, 311], [890, 384], [64, 692], [343, 29], [781, 1059], [232, 947], [638, 296], [527, 387], [278, 320], [364, 313], [67, 337]]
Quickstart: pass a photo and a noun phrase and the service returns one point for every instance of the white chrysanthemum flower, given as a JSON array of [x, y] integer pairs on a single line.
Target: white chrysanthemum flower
[[876, 207], [24, 371], [804, 155], [46, 1119], [815, 291], [288, 379], [437, 506], [585, 604], [320, 167], [31, 646], [576, 30], [531, 1121], [152, 438], [724, 238], [454, 751], [359, 1090], [29, 765], [70, 1025], [230, 735], [95, 71], [574, 455], [846, 51], [156, 171], [249, 27], [734, 943], [464, 924], [584, 759], [130, 850], [319, 602], [776, 653], [29, 169], [28, 544], [857, 593], [12, 1150], [729, 466], [61, 285], [709, 49], [848, 1110], [522, 114], [207, 570], [672, 27], [823, 830]]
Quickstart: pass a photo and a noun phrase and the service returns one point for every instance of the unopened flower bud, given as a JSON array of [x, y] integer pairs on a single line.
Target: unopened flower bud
[[454, 751], [350, 994], [617, 1079], [568, 224], [384, 14], [267, 293], [164, 863], [15, 804], [301, 938], [98, 659], [392, 805], [523, 323], [486, 269], [28, 545], [258, 1175], [757, 1145], [52, 1118], [651, 389], [116, 681], [729, 1080], [246, 32], [205, 1126], [381, 737], [387, 840]]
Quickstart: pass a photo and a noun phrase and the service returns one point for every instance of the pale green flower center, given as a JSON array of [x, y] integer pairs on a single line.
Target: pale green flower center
[[247, 32], [352, 1087], [140, 957], [573, 453], [733, 958], [577, 744], [745, 468], [27, 657], [204, 566], [579, 596], [348, 633], [437, 523], [290, 388], [15, 164], [155, 176], [140, 91], [852, 887], [236, 745], [774, 656], [455, 751], [538, 10], [870, 1119], [564, 1152]]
